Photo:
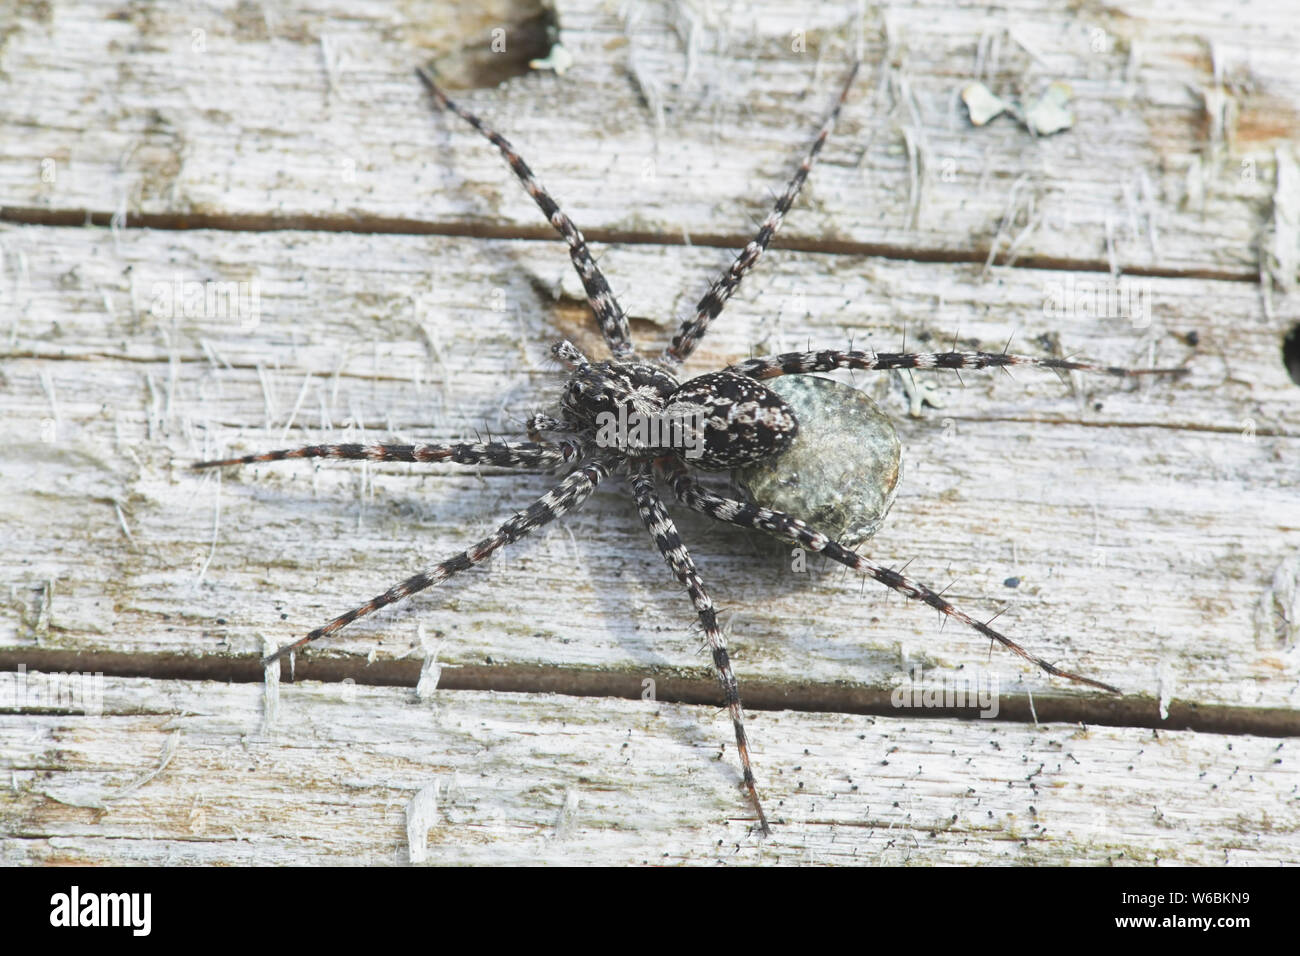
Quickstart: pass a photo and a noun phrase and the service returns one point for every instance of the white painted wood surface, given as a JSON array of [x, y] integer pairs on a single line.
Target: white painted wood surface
[[1154, 527]]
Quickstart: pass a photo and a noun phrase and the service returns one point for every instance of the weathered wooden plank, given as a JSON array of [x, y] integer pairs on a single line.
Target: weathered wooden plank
[[1145, 525], [1153, 531], [192, 772], [692, 115]]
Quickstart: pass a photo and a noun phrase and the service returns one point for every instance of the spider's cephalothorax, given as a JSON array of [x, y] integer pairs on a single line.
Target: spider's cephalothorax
[[632, 414], [603, 401], [716, 421]]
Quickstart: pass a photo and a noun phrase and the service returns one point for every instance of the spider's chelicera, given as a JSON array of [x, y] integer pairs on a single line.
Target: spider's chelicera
[[640, 418]]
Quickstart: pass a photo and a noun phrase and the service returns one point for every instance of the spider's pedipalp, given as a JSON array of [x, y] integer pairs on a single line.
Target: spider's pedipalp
[[540, 423], [560, 500], [533, 455], [826, 360], [787, 528], [664, 533], [609, 314], [710, 306], [569, 355]]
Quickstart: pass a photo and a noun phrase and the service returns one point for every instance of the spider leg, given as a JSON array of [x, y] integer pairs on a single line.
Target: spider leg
[[609, 314], [693, 328], [538, 455], [660, 525], [733, 511], [799, 363], [563, 498]]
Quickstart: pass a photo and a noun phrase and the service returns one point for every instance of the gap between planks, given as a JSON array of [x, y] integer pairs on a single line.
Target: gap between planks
[[379, 225], [673, 687]]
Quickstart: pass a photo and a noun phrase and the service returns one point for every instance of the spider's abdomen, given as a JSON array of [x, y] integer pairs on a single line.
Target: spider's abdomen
[[739, 420]]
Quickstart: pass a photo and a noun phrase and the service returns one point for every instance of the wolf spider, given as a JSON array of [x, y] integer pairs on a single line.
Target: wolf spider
[[738, 419]]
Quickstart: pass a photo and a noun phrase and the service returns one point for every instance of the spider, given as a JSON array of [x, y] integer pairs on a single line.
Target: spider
[[733, 418]]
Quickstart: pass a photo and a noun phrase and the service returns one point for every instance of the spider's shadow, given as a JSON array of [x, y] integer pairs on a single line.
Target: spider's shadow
[[722, 553]]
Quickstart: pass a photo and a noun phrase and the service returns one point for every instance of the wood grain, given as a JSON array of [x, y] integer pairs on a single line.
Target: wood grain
[[328, 773], [1145, 533]]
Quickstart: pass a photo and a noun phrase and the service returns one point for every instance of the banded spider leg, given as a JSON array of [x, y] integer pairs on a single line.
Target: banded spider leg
[[568, 495]]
